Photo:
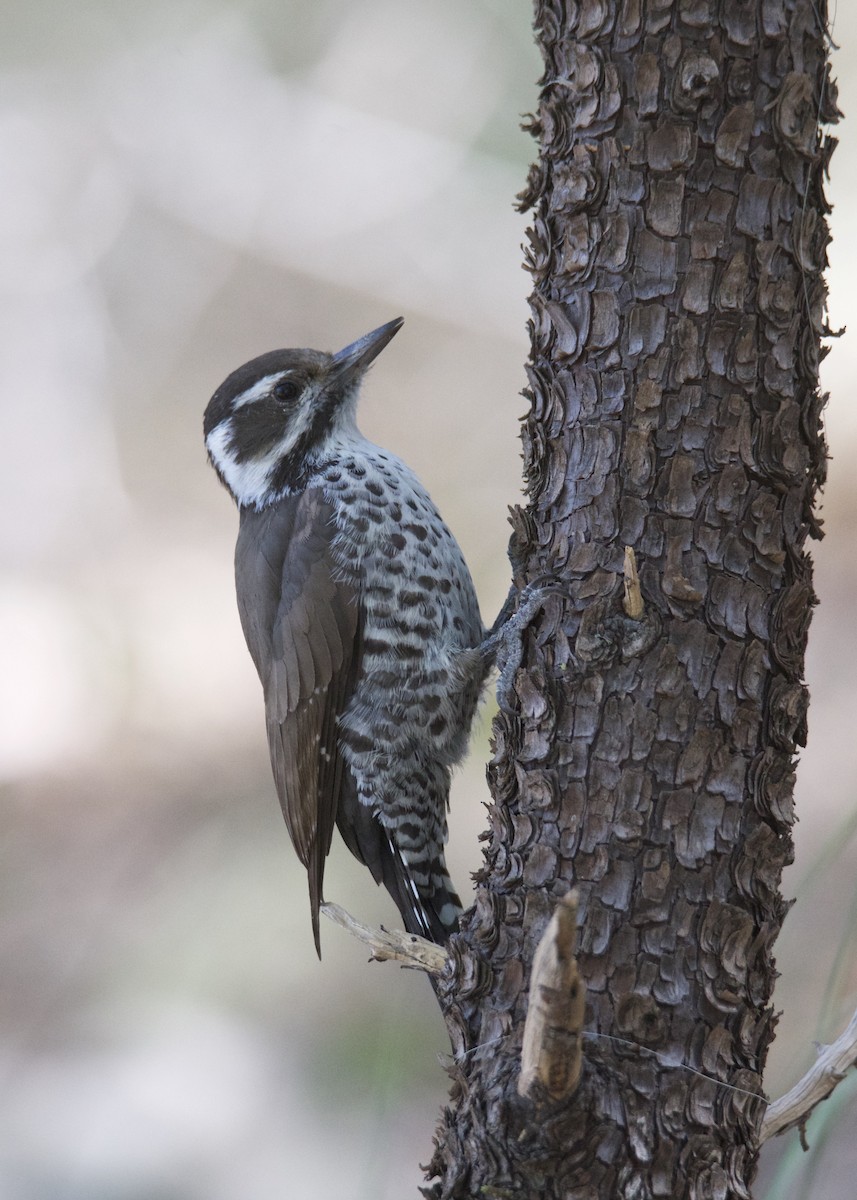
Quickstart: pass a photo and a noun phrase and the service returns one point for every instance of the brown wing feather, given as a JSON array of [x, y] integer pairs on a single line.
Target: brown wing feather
[[300, 620]]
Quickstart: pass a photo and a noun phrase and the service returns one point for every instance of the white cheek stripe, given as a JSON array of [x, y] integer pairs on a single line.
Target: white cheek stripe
[[250, 481]]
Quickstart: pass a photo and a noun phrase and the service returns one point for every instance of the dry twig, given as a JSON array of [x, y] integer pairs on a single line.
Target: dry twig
[[390, 944], [831, 1066]]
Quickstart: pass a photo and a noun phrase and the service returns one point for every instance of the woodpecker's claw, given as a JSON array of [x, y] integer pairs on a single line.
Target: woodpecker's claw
[[507, 633]]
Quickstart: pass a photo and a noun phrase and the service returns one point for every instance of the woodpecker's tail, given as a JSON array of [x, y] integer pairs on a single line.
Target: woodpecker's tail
[[422, 892], [429, 909]]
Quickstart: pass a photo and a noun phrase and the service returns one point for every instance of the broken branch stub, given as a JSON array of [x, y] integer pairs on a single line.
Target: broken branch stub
[[551, 1054], [632, 600]]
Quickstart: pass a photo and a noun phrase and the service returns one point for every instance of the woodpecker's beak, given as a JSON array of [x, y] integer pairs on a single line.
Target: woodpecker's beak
[[354, 359]]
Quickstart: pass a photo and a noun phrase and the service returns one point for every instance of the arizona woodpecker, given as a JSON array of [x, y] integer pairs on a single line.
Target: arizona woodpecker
[[361, 618]]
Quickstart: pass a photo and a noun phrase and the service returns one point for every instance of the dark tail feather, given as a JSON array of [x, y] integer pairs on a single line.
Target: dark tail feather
[[429, 913], [315, 874]]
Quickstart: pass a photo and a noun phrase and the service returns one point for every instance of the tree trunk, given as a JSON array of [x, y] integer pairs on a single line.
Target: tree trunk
[[676, 251]]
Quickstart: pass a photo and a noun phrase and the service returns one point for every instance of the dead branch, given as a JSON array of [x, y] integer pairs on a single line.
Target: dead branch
[[831, 1066], [390, 944]]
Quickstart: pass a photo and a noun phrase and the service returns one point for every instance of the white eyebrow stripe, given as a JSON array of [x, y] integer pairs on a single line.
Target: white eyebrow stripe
[[260, 388]]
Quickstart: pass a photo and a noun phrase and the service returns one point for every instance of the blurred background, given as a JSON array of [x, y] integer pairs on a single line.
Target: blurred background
[[187, 184]]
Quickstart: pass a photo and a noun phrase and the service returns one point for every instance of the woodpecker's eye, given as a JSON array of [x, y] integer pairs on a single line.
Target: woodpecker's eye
[[287, 391]]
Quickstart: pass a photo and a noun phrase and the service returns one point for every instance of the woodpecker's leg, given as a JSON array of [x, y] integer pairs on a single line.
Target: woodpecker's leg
[[505, 638], [505, 613]]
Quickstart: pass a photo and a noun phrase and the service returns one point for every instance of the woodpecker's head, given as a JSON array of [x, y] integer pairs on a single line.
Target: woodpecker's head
[[278, 412]]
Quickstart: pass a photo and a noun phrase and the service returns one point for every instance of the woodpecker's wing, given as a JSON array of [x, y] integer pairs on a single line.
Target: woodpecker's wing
[[301, 622]]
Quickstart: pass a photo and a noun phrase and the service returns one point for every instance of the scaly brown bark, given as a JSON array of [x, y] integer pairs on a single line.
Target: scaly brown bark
[[676, 251]]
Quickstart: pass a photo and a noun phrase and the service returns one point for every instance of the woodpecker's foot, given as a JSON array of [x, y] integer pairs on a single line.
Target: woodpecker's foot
[[504, 644], [518, 599]]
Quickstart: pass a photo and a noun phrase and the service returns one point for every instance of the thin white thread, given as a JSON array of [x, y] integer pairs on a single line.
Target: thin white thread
[[661, 1058], [680, 1066]]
